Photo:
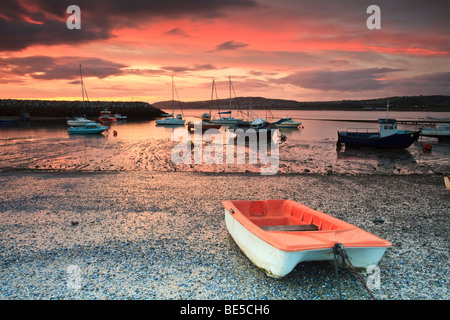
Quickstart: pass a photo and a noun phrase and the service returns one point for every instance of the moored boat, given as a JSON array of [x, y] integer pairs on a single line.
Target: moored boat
[[223, 120], [91, 128], [120, 117], [287, 123], [442, 131], [259, 128], [106, 116], [276, 235], [7, 122], [204, 124], [170, 121], [78, 121], [388, 136], [226, 120]]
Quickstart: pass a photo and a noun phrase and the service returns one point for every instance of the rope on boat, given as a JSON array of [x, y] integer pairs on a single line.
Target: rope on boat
[[338, 251]]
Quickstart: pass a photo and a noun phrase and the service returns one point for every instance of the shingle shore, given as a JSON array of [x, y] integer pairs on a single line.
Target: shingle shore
[[156, 235]]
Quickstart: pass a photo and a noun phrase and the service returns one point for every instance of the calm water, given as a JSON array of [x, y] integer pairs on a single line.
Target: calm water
[[141, 145]]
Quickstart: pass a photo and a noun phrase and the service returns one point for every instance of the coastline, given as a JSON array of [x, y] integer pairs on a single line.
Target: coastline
[[161, 235]]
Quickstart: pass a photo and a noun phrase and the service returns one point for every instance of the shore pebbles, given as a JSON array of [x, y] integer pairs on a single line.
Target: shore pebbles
[[162, 236]]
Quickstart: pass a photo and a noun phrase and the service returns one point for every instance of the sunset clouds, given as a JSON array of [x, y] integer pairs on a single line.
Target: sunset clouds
[[288, 49]]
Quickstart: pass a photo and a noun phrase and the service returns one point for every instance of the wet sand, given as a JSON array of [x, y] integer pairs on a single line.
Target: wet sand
[[107, 153], [161, 235]]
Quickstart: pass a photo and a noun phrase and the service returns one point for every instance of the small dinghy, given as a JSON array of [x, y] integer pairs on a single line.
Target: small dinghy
[[276, 235]]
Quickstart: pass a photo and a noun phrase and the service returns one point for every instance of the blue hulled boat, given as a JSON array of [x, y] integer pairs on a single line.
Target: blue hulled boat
[[90, 128], [388, 136]]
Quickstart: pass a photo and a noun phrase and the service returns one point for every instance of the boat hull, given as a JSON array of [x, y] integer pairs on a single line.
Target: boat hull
[[288, 125], [278, 263], [277, 252], [394, 141], [79, 123], [226, 121], [203, 126], [243, 131], [442, 132], [170, 122], [89, 129]]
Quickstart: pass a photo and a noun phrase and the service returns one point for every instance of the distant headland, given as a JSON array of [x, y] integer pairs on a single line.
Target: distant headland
[[436, 103]]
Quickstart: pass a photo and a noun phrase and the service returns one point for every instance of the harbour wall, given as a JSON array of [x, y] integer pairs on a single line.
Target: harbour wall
[[46, 108]]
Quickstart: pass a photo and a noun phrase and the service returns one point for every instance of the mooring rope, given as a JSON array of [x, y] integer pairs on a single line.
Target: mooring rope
[[338, 251]]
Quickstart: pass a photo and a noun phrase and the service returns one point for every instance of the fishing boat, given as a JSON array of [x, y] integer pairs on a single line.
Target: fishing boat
[[287, 123], [276, 235], [442, 131], [169, 120], [106, 116], [388, 136], [78, 121], [204, 124], [259, 128], [91, 128]]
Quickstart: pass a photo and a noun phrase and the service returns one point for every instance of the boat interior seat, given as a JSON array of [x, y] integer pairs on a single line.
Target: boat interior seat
[[292, 227]]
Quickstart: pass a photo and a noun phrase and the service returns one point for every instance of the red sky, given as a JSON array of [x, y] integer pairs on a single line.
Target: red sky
[[291, 49]]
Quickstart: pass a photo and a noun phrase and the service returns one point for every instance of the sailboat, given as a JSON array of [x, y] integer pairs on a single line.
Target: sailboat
[[227, 120], [178, 121], [206, 122], [80, 121]]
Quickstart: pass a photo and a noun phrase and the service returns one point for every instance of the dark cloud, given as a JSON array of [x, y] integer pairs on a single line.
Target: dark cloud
[[49, 68], [430, 83], [349, 80], [177, 32], [231, 45], [30, 22]]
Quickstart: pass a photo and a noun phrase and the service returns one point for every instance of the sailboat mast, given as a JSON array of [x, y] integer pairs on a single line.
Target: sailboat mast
[[82, 85], [212, 98], [229, 80], [173, 100]]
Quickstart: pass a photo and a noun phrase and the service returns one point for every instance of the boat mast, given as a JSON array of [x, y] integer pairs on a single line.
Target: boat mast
[[84, 93], [229, 81], [387, 109], [82, 86], [173, 101]]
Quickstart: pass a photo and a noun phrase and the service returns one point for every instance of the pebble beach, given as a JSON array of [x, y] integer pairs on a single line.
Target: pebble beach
[[143, 235]]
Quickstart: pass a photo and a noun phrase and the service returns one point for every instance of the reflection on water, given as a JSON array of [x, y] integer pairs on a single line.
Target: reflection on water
[[142, 145]]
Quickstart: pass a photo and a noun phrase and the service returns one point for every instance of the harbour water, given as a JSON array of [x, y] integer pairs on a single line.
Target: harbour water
[[144, 146]]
